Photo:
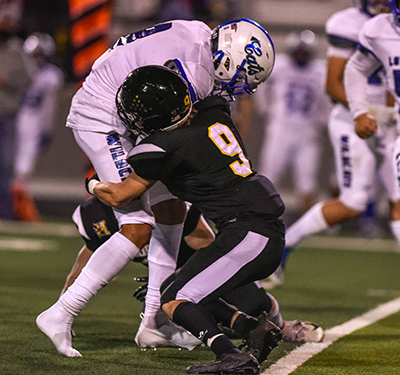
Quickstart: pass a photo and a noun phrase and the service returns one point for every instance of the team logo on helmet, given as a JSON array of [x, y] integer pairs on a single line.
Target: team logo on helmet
[[243, 56], [252, 50]]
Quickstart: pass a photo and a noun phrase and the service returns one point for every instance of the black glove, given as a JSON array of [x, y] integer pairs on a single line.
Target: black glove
[[140, 293], [95, 177]]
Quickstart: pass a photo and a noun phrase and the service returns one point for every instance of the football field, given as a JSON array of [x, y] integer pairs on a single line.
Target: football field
[[332, 281]]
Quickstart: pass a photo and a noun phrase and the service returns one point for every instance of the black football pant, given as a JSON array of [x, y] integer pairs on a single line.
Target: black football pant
[[236, 257]]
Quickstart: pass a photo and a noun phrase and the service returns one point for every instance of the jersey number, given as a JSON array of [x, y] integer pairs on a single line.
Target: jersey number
[[226, 142], [141, 34]]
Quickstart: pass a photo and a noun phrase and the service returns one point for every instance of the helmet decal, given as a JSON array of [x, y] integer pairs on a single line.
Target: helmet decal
[[243, 56], [252, 50]]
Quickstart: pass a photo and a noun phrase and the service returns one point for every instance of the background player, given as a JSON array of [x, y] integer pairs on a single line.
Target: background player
[[379, 47], [296, 108], [35, 119], [15, 78], [358, 162]]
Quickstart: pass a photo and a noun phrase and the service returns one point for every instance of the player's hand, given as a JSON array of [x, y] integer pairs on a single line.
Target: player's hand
[[91, 182], [140, 293], [365, 126]]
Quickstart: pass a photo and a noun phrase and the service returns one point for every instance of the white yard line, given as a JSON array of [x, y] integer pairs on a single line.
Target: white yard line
[[298, 356], [27, 244], [47, 229]]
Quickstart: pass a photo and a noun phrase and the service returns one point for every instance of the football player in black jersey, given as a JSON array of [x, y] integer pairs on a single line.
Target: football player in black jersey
[[96, 223], [204, 163]]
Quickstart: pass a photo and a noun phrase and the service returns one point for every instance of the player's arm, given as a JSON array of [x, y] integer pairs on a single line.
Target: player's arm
[[119, 194], [359, 67], [334, 79]]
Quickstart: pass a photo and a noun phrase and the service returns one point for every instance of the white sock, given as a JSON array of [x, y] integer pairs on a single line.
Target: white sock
[[106, 262], [275, 315], [163, 253], [310, 223], [395, 226]]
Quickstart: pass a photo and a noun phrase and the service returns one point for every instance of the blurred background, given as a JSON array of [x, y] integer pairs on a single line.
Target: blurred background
[[84, 29]]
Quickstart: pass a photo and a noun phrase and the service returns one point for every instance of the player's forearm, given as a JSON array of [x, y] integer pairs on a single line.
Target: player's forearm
[[118, 194], [357, 71], [113, 194]]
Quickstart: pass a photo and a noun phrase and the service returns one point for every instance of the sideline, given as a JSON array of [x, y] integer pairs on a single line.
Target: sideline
[[301, 354]]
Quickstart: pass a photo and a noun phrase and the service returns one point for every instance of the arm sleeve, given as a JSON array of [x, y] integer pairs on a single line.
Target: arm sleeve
[[360, 66]]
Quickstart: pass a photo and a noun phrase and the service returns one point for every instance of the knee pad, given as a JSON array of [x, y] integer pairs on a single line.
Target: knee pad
[[355, 201]]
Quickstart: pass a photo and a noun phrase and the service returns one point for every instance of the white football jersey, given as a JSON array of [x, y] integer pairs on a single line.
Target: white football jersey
[[36, 117], [342, 29], [93, 107], [297, 93], [40, 100], [381, 36]]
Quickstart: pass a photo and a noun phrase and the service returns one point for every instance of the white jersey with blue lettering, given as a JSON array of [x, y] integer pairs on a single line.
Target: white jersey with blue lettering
[[297, 107], [381, 36], [342, 29], [35, 118], [189, 42], [358, 161]]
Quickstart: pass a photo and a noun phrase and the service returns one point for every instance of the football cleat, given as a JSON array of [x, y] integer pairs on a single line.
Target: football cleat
[[261, 340], [168, 335], [302, 331], [228, 363]]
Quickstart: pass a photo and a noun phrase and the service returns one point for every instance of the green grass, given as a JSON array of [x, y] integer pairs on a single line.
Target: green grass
[[328, 287]]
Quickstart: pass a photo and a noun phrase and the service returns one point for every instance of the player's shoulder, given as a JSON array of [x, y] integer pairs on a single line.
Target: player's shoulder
[[378, 26], [192, 25], [346, 24]]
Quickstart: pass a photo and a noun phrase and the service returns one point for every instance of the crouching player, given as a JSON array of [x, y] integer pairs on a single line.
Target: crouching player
[[201, 159]]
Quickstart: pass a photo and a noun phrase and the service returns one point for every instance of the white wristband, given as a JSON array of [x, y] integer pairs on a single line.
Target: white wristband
[[91, 185]]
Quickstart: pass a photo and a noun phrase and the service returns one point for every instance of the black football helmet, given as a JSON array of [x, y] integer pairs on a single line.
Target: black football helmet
[[153, 98]]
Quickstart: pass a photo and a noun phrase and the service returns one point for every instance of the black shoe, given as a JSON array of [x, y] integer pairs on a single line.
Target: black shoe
[[229, 363], [261, 340]]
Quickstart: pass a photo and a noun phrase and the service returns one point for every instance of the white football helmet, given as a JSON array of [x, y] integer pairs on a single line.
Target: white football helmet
[[394, 8], [302, 47], [244, 57], [373, 7], [40, 44]]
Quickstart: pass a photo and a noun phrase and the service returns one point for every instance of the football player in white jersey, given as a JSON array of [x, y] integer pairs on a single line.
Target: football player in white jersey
[[379, 46], [35, 117], [358, 162], [243, 57], [297, 107]]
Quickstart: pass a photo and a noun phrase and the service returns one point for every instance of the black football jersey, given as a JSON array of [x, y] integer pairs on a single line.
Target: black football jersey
[[205, 163]]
